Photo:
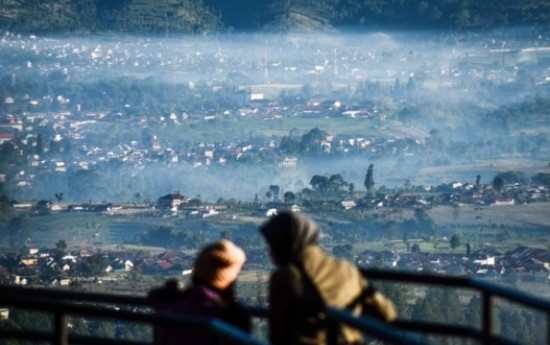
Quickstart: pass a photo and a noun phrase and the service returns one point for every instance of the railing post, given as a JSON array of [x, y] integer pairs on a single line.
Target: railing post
[[332, 332], [60, 329], [487, 316]]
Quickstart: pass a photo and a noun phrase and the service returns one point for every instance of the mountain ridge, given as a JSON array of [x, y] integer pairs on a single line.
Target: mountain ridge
[[209, 16]]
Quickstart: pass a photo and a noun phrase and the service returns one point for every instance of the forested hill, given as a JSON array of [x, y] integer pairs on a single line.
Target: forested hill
[[207, 16]]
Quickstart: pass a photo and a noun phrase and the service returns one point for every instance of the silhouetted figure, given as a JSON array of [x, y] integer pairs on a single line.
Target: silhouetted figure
[[305, 280], [214, 273]]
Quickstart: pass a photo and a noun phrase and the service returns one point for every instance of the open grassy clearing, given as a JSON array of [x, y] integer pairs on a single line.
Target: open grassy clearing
[[228, 129], [527, 217], [527, 224], [486, 168]]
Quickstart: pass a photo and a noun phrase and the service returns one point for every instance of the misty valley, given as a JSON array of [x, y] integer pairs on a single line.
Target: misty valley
[[423, 151]]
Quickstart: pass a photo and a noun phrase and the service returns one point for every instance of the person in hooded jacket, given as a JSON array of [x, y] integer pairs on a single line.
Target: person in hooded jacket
[[305, 280], [211, 295]]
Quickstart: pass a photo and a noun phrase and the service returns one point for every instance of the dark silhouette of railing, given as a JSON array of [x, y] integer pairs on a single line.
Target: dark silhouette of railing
[[62, 303], [488, 291]]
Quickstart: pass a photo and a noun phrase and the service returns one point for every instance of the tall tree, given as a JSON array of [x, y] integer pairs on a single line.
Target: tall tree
[[289, 197], [498, 183], [39, 149], [318, 182], [61, 245], [311, 141], [336, 182], [275, 189], [454, 242], [369, 178]]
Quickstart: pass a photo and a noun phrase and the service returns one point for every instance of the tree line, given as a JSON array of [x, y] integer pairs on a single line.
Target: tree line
[[208, 16]]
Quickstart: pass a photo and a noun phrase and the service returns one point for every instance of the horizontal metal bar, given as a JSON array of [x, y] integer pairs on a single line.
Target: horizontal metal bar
[[232, 332], [165, 319], [512, 295], [371, 326], [401, 276], [103, 304], [465, 282], [414, 277]]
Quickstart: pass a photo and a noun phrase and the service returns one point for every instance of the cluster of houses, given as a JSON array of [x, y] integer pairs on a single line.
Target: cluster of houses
[[134, 154], [44, 267], [80, 57], [270, 59], [73, 130], [522, 263], [456, 194]]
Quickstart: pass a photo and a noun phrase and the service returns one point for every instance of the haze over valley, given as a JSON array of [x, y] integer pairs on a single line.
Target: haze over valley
[[416, 134], [201, 115]]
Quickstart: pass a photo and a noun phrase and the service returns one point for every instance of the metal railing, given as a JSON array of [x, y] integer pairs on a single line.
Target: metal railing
[[62, 303], [488, 292]]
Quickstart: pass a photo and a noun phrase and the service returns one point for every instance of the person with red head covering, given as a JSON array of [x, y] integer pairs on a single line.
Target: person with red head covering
[[211, 294]]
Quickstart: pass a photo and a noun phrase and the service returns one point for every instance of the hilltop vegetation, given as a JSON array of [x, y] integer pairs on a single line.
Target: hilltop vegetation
[[186, 16]]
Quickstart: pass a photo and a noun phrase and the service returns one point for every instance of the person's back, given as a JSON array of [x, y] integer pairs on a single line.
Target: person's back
[[197, 300], [299, 292], [211, 295], [305, 280]]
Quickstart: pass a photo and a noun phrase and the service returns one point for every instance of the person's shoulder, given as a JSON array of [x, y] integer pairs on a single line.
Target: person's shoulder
[[320, 264]]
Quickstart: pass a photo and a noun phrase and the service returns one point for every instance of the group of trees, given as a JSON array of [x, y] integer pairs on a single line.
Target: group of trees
[[511, 177], [184, 16], [329, 185], [170, 237], [336, 186], [98, 16]]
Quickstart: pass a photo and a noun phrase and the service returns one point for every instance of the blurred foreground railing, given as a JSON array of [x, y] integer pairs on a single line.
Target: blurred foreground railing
[[64, 303], [488, 292]]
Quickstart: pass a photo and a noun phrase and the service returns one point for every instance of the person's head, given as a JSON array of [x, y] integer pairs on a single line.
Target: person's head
[[218, 264], [287, 233]]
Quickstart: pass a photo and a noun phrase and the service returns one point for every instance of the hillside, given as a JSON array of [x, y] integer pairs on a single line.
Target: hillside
[[207, 16]]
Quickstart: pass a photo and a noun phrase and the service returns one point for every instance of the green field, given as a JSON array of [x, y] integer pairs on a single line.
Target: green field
[[504, 227], [250, 128]]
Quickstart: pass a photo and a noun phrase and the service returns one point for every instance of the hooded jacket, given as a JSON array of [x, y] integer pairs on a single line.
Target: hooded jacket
[[198, 300], [211, 295], [295, 312]]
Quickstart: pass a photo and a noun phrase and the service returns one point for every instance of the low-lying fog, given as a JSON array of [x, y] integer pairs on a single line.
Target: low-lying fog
[[452, 73]]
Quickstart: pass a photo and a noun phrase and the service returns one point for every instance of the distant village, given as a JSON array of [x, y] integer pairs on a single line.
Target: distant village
[[49, 267], [71, 128], [32, 265], [75, 128], [64, 138]]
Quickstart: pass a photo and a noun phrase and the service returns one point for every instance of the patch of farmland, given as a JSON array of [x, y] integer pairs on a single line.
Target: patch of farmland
[[76, 229], [125, 231]]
